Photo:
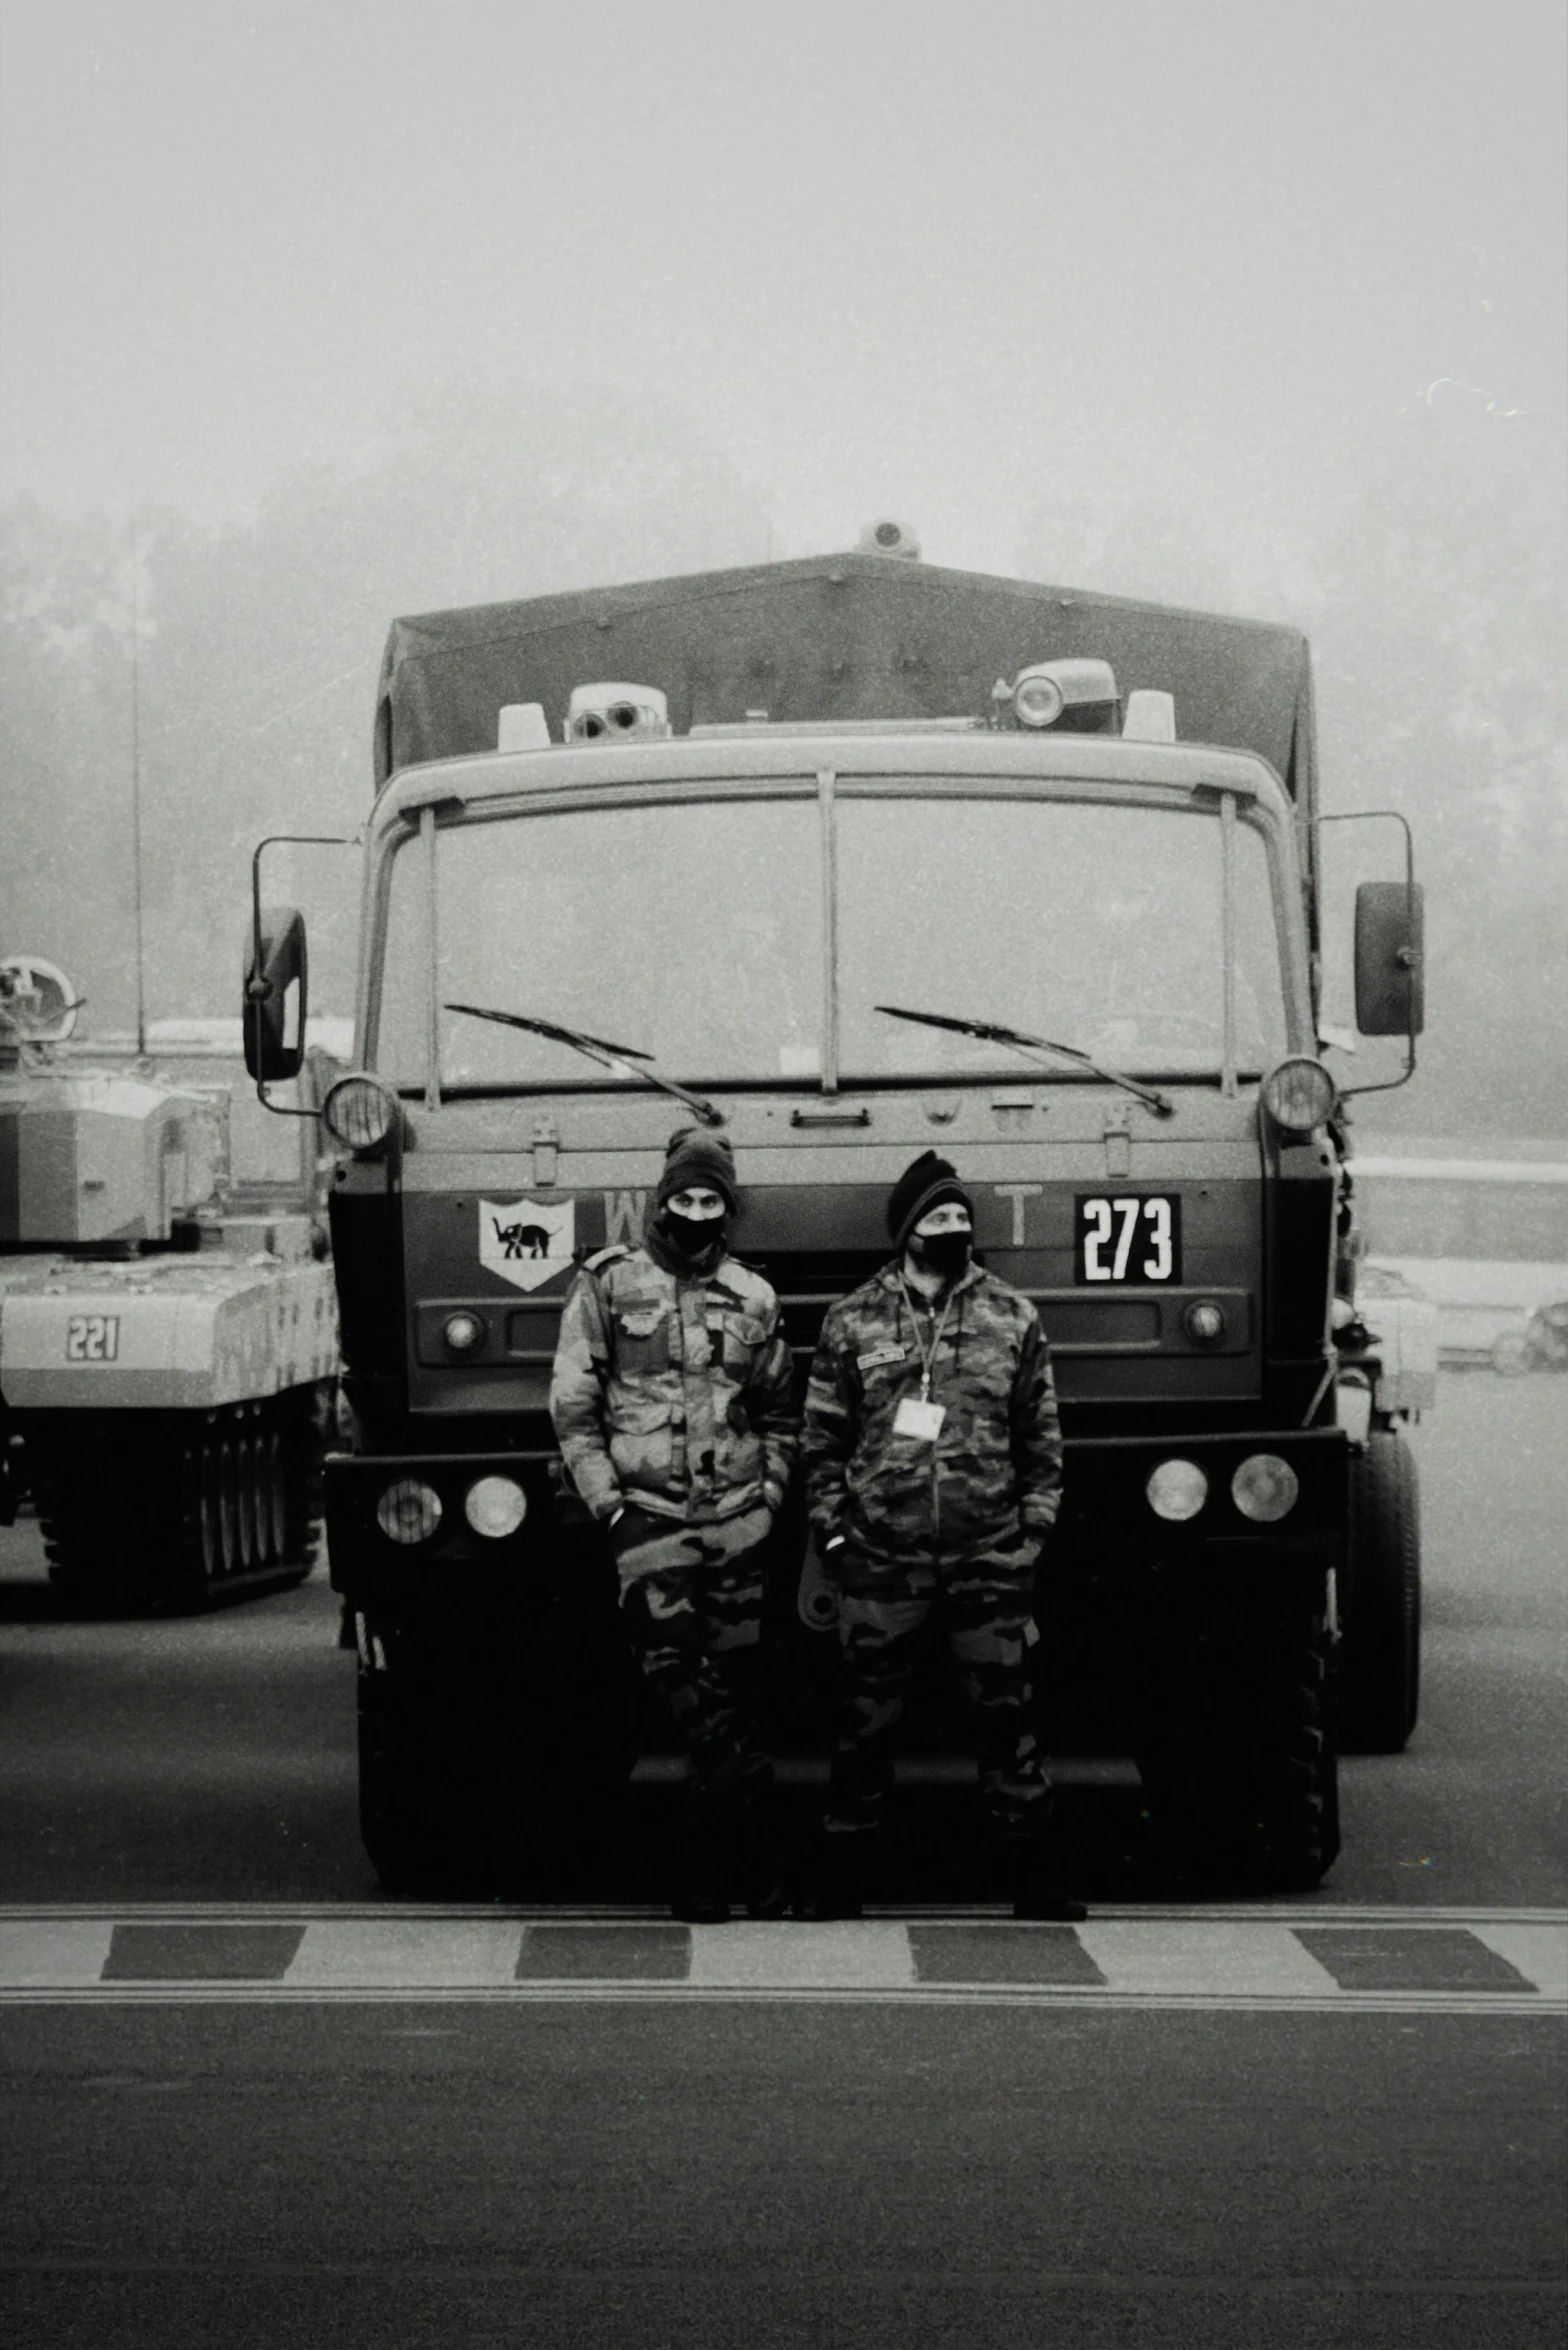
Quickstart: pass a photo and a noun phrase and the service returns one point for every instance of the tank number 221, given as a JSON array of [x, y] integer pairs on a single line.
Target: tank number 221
[[92, 1338], [1134, 1238]]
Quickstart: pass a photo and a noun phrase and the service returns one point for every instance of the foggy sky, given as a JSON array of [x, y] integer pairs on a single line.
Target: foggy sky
[[943, 261]]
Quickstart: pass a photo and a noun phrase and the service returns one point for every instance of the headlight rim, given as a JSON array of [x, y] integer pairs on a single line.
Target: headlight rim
[[368, 1079], [1288, 1482], [1269, 1094], [430, 1518], [1197, 1496], [495, 1478]]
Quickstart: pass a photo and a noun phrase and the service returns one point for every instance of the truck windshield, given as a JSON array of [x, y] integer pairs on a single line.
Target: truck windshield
[[1102, 925], [696, 930]]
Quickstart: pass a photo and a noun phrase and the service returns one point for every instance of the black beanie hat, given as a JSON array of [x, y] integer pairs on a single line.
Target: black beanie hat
[[920, 1188], [693, 1155]]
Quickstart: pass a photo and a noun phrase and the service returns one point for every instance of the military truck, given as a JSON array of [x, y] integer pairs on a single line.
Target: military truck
[[860, 856], [168, 1333]]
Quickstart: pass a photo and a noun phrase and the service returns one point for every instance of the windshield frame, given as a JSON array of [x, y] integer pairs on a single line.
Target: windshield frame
[[1236, 789]]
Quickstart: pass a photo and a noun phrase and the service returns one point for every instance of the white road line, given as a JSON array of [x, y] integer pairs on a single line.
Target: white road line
[[413, 1953], [967, 1995], [1539, 1952], [63, 1951], [871, 1954], [1164, 1955]]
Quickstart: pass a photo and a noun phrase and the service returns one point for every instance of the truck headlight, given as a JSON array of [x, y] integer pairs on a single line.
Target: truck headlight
[[359, 1112], [1265, 1488], [1299, 1094], [409, 1511], [495, 1506], [1177, 1490]]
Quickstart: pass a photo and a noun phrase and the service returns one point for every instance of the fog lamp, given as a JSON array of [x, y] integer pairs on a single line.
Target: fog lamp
[[464, 1333], [408, 1511], [1265, 1488], [1299, 1094], [495, 1506], [359, 1112], [1177, 1490]]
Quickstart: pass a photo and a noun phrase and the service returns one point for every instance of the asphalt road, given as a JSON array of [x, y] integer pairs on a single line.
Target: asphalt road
[[666, 2164], [214, 1759]]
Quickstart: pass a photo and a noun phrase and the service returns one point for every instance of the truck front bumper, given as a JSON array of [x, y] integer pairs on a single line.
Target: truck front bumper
[[1107, 1501], [454, 1566]]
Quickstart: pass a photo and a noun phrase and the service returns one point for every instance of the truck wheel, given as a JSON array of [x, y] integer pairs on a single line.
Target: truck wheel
[[1380, 1601], [1241, 1786], [1291, 1828]]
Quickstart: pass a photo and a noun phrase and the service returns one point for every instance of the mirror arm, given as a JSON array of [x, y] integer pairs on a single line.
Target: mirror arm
[[1390, 816]]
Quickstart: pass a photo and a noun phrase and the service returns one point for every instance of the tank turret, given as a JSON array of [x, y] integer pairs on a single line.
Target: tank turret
[[91, 1159], [167, 1350]]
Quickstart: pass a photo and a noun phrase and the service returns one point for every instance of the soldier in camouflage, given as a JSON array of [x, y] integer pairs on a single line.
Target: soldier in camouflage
[[933, 1462], [671, 1398]]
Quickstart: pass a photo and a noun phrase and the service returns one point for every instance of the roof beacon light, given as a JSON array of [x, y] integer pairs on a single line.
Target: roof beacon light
[[888, 537], [1076, 697], [617, 714]]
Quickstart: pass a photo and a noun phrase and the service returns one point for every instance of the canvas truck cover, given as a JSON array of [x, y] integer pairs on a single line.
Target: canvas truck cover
[[856, 636]]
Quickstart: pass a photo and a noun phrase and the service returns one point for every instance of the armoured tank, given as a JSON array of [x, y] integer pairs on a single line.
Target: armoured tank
[[168, 1334]]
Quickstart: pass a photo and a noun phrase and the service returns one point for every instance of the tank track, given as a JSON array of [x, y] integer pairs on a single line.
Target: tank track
[[167, 1513]]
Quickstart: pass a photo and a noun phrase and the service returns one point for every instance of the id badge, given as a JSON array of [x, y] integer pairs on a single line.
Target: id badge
[[923, 1421]]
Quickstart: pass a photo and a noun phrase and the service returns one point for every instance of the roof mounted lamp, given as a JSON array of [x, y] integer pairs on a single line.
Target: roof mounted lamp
[[613, 713], [888, 537], [1076, 696]]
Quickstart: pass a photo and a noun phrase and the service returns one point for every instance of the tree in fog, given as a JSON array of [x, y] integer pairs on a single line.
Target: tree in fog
[[1441, 692], [259, 654]]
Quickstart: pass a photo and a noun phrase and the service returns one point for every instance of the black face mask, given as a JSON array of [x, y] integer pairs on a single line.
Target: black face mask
[[691, 1237], [944, 1253]]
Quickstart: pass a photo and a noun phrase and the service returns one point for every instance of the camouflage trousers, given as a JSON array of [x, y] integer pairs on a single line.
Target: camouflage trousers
[[982, 1605], [691, 1600]]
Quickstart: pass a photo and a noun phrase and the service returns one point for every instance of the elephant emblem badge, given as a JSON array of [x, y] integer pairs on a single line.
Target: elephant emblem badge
[[526, 1242]]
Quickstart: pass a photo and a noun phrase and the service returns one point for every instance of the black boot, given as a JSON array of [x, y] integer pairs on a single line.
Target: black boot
[[1035, 1885], [769, 1872], [703, 1865], [836, 1884]]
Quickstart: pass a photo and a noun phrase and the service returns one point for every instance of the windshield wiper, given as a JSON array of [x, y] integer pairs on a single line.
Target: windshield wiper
[[618, 1057], [992, 1033]]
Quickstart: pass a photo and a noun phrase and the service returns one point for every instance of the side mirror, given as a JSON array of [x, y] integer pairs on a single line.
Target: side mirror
[[275, 996], [1390, 967]]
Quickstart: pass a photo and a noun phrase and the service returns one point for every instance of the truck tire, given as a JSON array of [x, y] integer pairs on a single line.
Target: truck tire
[[1240, 1779], [1380, 1601], [164, 1513]]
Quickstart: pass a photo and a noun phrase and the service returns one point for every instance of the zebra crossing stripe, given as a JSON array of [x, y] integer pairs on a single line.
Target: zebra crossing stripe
[[1310, 1959]]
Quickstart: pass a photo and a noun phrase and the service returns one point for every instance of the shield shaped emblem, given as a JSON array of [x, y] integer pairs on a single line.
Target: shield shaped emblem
[[524, 1241]]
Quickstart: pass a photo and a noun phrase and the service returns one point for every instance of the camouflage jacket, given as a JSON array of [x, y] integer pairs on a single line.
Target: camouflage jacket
[[673, 1392], [995, 1468]]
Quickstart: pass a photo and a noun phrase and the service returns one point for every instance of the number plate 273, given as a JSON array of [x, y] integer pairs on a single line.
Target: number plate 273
[[1130, 1237]]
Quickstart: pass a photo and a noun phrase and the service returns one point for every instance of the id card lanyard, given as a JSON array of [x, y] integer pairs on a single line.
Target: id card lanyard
[[927, 1354]]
